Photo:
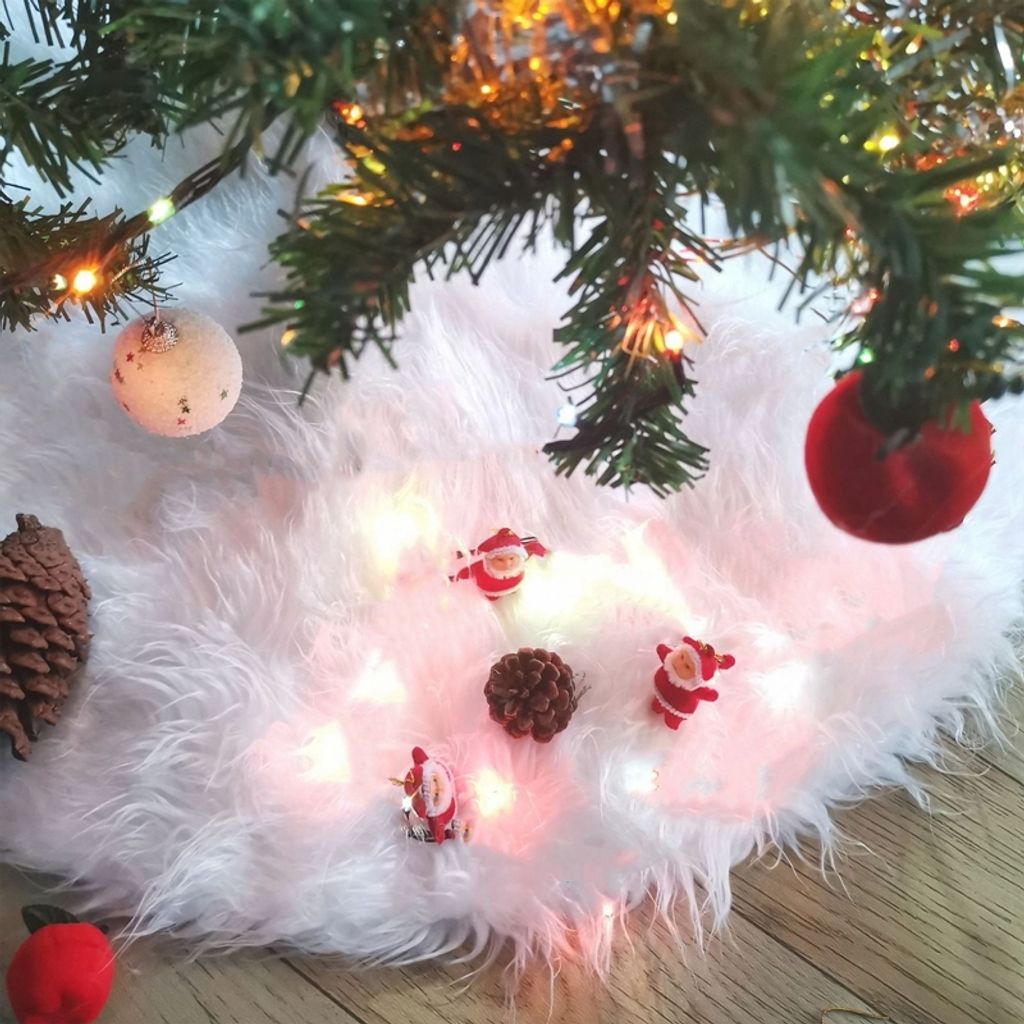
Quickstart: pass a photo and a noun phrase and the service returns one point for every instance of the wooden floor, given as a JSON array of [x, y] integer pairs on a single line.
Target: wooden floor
[[925, 925]]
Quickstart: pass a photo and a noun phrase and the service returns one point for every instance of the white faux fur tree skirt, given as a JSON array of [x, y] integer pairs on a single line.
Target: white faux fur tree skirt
[[274, 632]]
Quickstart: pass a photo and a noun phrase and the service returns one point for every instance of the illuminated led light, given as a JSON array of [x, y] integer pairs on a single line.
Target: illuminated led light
[[954, 345], [379, 682], [1004, 321], [350, 113], [494, 794], [672, 17], [288, 337], [884, 141], [674, 341], [486, 89], [326, 754], [404, 523], [863, 305], [59, 282], [567, 415], [84, 281], [641, 779], [535, 63], [160, 211], [785, 687], [353, 198], [865, 356]]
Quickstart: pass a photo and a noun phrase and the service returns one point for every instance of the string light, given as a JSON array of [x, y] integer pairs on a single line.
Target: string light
[[351, 113], [865, 303], [288, 337], [494, 794], [674, 341], [84, 281], [884, 141], [965, 197], [59, 282], [326, 754], [160, 211], [567, 415]]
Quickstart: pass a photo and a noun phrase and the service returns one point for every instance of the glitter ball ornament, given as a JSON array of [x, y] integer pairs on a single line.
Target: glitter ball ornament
[[925, 487], [176, 373]]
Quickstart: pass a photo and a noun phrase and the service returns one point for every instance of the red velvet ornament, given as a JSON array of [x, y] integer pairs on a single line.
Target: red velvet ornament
[[917, 491], [61, 974]]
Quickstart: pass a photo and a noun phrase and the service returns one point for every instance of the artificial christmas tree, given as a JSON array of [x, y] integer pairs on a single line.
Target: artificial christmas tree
[[827, 132]]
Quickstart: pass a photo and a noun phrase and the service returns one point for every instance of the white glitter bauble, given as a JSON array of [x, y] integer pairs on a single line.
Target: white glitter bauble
[[176, 376]]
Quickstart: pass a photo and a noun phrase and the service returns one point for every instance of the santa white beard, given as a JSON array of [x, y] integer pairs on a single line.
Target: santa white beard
[[503, 574], [684, 684]]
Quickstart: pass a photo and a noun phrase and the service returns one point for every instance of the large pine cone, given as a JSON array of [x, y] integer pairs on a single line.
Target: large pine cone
[[532, 693], [44, 637]]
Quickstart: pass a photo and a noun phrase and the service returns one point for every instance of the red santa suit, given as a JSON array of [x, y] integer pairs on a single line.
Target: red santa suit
[[676, 698], [493, 583], [430, 791]]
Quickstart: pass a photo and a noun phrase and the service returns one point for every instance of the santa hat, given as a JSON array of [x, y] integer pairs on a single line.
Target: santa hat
[[709, 662], [504, 542]]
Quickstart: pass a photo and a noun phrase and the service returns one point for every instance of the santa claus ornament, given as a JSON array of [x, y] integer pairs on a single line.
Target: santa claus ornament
[[498, 565], [680, 684], [923, 487], [430, 805]]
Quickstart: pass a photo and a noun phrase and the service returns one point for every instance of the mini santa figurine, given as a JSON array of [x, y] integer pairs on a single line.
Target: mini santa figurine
[[498, 565], [679, 683], [429, 788]]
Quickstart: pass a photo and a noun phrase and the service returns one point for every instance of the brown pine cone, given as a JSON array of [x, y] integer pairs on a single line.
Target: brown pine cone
[[532, 693], [44, 637]]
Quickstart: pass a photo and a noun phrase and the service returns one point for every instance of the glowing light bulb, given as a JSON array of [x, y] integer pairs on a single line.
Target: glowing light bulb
[[884, 142], [863, 305], [486, 89], [674, 341], [350, 113], [326, 754], [641, 779], [160, 211], [84, 281], [288, 337], [672, 17], [59, 282], [379, 682], [494, 795], [567, 415], [784, 687], [866, 356]]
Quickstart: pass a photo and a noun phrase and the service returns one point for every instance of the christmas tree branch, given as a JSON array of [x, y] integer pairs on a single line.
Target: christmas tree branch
[[50, 250]]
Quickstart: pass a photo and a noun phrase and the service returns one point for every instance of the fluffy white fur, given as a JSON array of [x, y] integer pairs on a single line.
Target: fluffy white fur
[[273, 630]]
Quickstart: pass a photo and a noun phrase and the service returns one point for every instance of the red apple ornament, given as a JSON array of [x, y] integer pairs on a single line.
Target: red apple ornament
[[62, 973], [923, 488]]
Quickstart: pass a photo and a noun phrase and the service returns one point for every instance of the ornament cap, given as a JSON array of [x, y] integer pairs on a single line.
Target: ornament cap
[[157, 335]]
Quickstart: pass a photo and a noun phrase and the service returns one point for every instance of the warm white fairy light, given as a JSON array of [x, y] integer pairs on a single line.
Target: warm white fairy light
[[326, 755], [494, 794]]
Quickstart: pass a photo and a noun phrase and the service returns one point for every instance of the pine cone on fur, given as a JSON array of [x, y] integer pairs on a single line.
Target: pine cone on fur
[[532, 693], [44, 637]]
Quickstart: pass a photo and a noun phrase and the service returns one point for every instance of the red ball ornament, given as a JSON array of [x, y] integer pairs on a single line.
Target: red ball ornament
[[61, 974], [923, 488]]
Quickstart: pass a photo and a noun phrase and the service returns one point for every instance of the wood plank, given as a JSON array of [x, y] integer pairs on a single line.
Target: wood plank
[[1008, 755], [149, 989], [931, 930], [745, 977]]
